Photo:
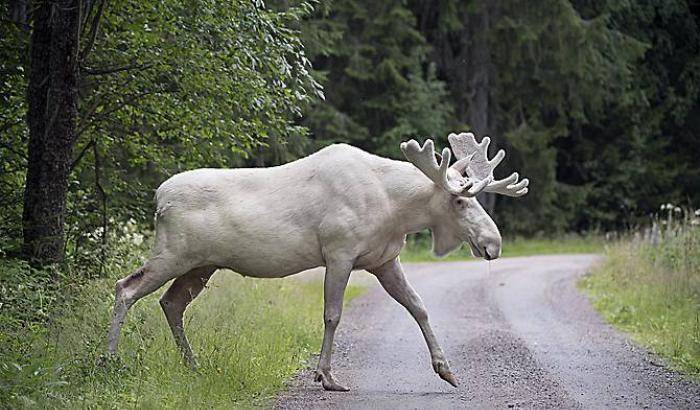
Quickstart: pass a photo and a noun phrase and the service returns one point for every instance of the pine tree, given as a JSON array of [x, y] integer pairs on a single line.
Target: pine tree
[[549, 69], [380, 88]]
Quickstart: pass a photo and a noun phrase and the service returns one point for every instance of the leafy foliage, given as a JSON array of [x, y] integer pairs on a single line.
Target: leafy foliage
[[166, 87], [32, 301], [210, 84]]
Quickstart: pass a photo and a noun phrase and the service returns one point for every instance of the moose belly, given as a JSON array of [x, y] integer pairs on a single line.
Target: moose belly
[[248, 242], [267, 255], [269, 266]]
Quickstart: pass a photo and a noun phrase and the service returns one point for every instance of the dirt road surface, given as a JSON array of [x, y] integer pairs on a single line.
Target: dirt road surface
[[519, 336]]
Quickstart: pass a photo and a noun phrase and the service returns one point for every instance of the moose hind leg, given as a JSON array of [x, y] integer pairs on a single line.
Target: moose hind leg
[[129, 290], [176, 299]]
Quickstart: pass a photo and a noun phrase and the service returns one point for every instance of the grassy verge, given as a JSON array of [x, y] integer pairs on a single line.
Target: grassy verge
[[418, 248], [653, 293], [250, 336]]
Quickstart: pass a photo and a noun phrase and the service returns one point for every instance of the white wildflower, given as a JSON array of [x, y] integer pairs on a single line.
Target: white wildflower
[[663, 206], [677, 210], [137, 239], [669, 206], [697, 212]]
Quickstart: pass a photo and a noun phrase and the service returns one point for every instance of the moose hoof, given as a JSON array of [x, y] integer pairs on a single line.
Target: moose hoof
[[443, 370], [328, 382], [449, 378]]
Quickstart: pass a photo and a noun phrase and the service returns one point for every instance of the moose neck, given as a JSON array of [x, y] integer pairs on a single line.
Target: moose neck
[[419, 202]]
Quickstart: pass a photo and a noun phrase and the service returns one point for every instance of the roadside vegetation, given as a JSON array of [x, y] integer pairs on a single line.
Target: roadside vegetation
[[419, 247], [649, 286], [250, 337]]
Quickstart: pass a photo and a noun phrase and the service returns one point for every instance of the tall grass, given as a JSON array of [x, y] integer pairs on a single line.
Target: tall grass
[[250, 336], [649, 286], [418, 247]]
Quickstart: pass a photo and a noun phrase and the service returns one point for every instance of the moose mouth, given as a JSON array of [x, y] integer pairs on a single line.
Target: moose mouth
[[476, 251]]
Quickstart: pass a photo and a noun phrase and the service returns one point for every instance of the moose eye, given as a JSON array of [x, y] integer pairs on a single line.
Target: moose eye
[[461, 203]]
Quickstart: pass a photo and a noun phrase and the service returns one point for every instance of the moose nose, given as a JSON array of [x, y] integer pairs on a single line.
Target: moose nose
[[491, 252]]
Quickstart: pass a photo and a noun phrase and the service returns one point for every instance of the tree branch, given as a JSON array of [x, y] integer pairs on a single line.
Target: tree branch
[[104, 71], [104, 114], [124, 103], [88, 114], [93, 30], [81, 155]]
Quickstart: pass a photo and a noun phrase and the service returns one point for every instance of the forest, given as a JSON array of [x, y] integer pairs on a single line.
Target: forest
[[597, 102]]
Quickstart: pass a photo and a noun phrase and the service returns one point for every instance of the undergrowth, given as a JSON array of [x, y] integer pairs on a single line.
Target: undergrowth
[[250, 337], [650, 287]]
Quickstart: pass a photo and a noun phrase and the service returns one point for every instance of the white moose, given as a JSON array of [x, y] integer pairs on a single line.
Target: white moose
[[341, 208]]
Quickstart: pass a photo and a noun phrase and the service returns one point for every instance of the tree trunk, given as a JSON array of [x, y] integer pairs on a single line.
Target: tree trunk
[[51, 117], [479, 72]]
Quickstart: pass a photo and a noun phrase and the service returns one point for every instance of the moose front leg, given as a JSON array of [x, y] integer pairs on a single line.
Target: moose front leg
[[393, 280], [337, 275]]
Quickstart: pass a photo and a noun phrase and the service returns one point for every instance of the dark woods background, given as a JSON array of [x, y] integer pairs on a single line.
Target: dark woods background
[[595, 100]]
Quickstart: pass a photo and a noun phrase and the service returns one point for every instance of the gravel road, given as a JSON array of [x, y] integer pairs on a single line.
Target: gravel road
[[519, 336]]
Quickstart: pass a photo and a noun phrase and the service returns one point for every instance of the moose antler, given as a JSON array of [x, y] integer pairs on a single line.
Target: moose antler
[[424, 159], [473, 160]]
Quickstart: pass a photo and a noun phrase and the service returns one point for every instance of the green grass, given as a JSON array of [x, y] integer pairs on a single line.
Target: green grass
[[418, 249], [250, 336], [653, 293]]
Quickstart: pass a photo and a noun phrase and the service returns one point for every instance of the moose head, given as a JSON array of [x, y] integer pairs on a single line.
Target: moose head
[[470, 175]]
